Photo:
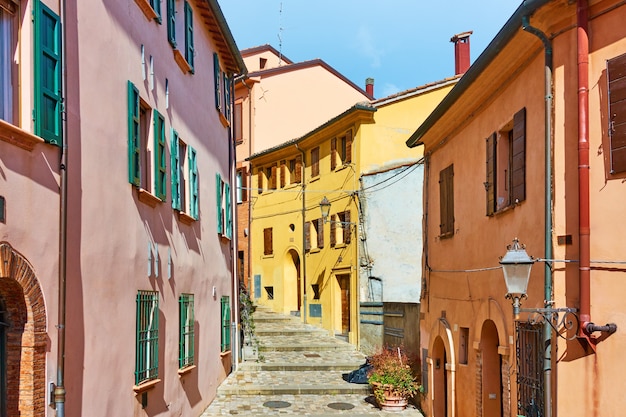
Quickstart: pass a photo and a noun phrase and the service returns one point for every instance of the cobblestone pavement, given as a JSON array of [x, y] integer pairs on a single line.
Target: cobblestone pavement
[[299, 373]]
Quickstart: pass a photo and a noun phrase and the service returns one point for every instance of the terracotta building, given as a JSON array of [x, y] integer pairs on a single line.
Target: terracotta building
[[117, 284], [528, 145]]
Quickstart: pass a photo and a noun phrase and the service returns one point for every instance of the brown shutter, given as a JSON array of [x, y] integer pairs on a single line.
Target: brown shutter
[[299, 169], [259, 180], [347, 233], [446, 201], [315, 162], [490, 182], [333, 153], [348, 148], [307, 236], [320, 233], [283, 168], [238, 123], [273, 178], [518, 156], [267, 241], [616, 74], [244, 183], [333, 232]]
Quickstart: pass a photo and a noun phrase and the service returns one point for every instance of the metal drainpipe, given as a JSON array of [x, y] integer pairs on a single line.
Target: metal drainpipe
[[59, 389], [234, 237], [547, 330], [302, 165]]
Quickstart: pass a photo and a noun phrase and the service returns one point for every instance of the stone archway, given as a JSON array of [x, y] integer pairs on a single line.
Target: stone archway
[[25, 335], [442, 364]]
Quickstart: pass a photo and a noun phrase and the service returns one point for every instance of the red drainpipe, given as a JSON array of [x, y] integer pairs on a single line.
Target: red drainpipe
[[584, 267], [587, 327]]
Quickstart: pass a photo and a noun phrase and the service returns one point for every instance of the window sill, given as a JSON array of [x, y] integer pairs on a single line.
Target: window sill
[[266, 256], [18, 137], [145, 386], [224, 120], [147, 9], [185, 218], [342, 167], [314, 250], [340, 245], [225, 354], [446, 235], [182, 62], [148, 198], [187, 369], [315, 178]]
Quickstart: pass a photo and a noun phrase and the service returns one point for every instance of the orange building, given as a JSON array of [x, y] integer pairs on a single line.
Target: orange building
[[529, 144]]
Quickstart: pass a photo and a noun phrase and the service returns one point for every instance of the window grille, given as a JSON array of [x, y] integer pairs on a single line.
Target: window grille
[[186, 338], [147, 337]]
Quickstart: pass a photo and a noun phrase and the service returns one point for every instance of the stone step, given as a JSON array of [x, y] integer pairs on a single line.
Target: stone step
[[295, 389], [302, 366], [297, 347], [271, 332]]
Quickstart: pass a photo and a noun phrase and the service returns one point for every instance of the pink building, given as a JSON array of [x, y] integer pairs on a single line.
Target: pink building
[[529, 144], [277, 101], [117, 286]]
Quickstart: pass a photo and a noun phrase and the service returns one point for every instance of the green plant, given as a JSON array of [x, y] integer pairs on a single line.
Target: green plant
[[392, 372], [246, 316]]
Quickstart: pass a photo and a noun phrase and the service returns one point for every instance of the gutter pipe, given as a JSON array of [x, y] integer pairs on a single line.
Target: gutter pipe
[[59, 389], [584, 229], [304, 305], [235, 334], [547, 330]]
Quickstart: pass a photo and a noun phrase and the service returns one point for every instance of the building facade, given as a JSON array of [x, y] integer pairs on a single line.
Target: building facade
[[117, 286], [527, 146]]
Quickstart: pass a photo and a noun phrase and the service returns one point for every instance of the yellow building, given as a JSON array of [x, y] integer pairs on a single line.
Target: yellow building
[[289, 181]]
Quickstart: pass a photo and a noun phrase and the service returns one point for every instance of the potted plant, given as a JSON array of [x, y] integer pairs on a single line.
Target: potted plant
[[392, 378], [250, 348]]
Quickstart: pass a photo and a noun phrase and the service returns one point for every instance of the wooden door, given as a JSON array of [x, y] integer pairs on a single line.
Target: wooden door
[[344, 289]]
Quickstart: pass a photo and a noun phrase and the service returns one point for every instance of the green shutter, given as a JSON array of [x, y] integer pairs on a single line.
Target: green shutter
[[47, 63], [216, 77], [189, 51], [160, 166], [156, 6], [218, 203], [171, 22], [134, 142], [227, 96], [229, 218], [175, 167], [225, 339], [193, 183]]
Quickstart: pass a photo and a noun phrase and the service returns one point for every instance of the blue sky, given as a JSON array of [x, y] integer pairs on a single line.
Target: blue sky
[[400, 43]]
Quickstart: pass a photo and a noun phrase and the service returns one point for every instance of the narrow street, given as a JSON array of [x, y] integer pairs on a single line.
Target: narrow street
[[299, 372]]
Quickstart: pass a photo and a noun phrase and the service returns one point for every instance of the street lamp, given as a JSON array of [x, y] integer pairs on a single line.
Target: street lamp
[[325, 208], [516, 265]]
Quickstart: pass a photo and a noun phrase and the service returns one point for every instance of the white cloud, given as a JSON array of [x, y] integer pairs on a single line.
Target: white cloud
[[367, 47], [388, 89]]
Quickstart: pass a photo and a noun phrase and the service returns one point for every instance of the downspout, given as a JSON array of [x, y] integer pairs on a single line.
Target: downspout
[[302, 166], [547, 330], [59, 389], [234, 236], [249, 182], [584, 229]]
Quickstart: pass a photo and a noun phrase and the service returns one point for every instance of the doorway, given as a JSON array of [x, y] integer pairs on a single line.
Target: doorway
[[344, 295], [3, 359], [440, 379], [491, 371]]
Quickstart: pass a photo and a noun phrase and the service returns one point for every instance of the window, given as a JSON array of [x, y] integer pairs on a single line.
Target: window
[[47, 65], [224, 215], [259, 180], [270, 172], [186, 338], [171, 22], [270, 292], [314, 234], [506, 165], [341, 148], [160, 166], [268, 248], [242, 191], [283, 174], [316, 291], [189, 50], [147, 337], [8, 67], [463, 345], [315, 162], [446, 201], [616, 71], [156, 6], [295, 169], [225, 339], [340, 232], [184, 176], [217, 76], [238, 121]]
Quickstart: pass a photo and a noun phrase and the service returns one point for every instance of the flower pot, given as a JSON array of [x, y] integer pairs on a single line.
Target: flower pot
[[389, 401]]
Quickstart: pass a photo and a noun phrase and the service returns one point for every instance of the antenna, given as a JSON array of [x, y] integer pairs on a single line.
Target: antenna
[[280, 32]]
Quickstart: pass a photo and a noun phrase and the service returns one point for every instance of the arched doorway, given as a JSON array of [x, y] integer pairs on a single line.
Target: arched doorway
[[491, 371], [292, 282], [24, 334], [440, 379]]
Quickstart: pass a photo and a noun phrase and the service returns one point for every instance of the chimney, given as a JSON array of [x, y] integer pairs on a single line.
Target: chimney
[[369, 87], [461, 52]]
